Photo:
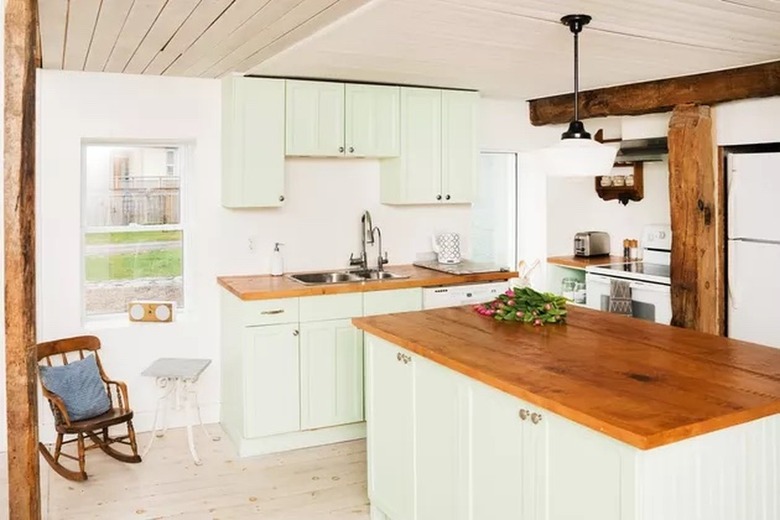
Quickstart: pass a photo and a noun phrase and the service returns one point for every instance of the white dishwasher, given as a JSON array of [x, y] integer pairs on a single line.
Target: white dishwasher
[[468, 294]]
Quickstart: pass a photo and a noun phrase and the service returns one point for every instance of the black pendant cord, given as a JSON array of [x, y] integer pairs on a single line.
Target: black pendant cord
[[576, 76]]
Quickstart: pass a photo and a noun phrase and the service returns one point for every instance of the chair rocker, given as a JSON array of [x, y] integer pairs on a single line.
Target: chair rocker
[[57, 353]]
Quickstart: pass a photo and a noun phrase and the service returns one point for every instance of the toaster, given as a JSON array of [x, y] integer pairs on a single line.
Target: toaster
[[591, 243]]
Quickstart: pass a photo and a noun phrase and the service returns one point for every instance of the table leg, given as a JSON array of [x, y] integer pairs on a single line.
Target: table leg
[[161, 402], [200, 419], [188, 413]]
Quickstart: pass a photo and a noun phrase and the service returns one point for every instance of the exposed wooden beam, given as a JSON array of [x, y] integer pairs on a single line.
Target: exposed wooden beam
[[698, 281], [22, 56], [662, 95]]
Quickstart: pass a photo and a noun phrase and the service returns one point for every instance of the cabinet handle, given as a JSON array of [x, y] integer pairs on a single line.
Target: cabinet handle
[[523, 414], [438, 197], [398, 356], [536, 418], [351, 149], [295, 333], [275, 311], [341, 149], [281, 198], [447, 197]]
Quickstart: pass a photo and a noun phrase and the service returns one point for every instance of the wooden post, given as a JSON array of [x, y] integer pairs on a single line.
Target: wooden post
[[697, 249], [22, 56]]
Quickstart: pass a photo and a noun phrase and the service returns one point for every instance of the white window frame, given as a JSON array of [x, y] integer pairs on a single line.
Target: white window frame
[[185, 166]]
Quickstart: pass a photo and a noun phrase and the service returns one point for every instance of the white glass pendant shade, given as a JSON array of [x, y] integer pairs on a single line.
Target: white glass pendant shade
[[578, 158]]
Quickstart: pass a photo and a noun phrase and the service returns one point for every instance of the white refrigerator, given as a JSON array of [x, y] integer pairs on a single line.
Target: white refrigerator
[[753, 190]]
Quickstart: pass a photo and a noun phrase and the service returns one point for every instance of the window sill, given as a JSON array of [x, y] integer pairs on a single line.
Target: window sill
[[121, 321]]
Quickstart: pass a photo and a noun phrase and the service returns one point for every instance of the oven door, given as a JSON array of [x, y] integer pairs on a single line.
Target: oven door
[[650, 301]]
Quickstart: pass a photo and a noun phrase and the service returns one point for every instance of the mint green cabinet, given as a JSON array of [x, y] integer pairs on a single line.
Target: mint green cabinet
[[252, 142], [271, 380], [372, 114], [439, 149], [390, 429], [460, 148], [315, 118], [331, 374]]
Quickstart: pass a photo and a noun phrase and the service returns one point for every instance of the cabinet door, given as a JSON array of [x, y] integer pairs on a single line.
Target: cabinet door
[[331, 374], [373, 114], [315, 118], [252, 142], [441, 442], [390, 428], [577, 473], [415, 178], [496, 455], [271, 380], [460, 149]]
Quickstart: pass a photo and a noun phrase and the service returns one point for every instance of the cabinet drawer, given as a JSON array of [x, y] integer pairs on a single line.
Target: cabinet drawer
[[386, 302], [269, 312], [331, 307]]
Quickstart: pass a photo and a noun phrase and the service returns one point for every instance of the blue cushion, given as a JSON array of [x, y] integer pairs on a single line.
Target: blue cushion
[[80, 387]]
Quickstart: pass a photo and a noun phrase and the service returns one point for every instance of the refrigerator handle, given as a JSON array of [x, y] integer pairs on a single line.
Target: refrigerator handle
[[729, 281], [731, 199]]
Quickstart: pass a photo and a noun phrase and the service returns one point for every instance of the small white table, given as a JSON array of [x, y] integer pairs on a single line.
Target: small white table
[[177, 377]]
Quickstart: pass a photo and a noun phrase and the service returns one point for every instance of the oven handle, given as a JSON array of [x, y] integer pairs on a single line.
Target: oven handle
[[654, 287]]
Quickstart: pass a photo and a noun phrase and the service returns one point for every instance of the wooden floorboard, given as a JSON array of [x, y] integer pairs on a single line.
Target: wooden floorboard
[[327, 482]]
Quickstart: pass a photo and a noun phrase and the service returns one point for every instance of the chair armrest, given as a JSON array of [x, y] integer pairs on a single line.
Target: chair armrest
[[57, 405], [121, 393]]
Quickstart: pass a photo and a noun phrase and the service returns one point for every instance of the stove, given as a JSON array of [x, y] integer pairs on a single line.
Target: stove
[[641, 271]]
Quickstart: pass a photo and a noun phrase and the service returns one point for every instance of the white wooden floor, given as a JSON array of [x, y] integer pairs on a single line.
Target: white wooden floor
[[327, 482]]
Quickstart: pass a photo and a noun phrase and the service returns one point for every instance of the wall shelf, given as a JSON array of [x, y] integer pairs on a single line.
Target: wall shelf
[[624, 193]]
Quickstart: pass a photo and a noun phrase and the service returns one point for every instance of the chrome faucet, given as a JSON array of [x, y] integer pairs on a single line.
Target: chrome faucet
[[366, 237], [381, 259]]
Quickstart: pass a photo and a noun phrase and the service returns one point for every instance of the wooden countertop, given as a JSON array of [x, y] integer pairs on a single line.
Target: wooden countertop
[[267, 287], [642, 383], [581, 262]]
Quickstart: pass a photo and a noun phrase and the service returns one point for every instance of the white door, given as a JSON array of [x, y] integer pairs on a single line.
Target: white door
[[331, 374], [441, 441], [753, 310], [497, 457], [390, 423], [753, 187], [271, 380]]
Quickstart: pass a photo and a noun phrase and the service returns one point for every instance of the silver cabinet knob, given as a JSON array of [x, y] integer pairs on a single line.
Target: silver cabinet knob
[[523, 414], [448, 197], [438, 197], [281, 198], [341, 149], [351, 149], [295, 333], [398, 356], [536, 418]]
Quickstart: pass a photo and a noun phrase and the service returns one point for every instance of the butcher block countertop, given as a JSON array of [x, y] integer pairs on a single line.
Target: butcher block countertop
[[642, 383], [267, 287], [581, 262]]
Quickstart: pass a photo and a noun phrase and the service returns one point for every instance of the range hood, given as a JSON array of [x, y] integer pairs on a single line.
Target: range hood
[[642, 150]]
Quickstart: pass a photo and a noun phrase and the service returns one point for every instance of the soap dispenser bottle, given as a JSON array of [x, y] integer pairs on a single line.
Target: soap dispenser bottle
[[277, 260]]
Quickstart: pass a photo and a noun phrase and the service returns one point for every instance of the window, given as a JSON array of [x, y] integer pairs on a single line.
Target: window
[[132, 224], [494, 211]]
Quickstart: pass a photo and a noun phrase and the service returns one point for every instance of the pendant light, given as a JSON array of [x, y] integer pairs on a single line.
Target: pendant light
[[577, 155]]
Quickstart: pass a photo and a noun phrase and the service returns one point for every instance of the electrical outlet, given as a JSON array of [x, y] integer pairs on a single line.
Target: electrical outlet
[[251, 244]]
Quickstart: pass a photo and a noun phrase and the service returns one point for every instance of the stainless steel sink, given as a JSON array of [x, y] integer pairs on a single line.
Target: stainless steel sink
[[344, 277]]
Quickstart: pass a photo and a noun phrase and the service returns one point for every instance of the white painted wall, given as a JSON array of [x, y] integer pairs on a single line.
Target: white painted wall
[[748, 121], [319, 223]]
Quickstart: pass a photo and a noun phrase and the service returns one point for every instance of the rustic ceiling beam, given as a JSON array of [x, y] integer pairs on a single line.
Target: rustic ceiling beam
[[755, 81], [696, 201], [22, 56]]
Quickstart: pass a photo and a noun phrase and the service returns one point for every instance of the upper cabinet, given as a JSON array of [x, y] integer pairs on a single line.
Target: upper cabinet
[[373, 115], [336, 120], [252, 142], [315, 118], [439, 150]]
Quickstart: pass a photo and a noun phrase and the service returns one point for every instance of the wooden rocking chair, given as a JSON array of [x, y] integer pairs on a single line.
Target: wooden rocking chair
[[96, 428]]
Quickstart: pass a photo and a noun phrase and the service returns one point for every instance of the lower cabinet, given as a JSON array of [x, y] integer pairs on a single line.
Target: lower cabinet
[[271, 380], [441, 445], [390, 430], [331, 374]]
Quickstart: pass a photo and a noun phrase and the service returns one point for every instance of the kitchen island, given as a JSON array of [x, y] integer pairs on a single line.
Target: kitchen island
[[603, 418]]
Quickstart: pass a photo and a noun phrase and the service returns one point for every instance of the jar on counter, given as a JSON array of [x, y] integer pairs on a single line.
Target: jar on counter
[[567, 288], [580, 293]]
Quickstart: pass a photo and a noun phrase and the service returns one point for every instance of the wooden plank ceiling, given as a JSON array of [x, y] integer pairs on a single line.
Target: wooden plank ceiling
[[505, 48], [201, 38]]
